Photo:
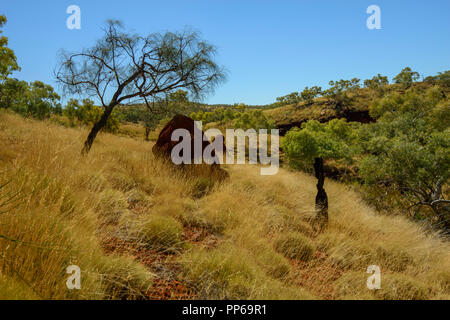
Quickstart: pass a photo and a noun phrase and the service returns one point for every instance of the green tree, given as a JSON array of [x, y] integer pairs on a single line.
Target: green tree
[[8, 64], [292, 98], [252, 119], [14, 94], [42, 101], [131, 113], [442, 79], [36, 99], [228, 114], [309, 94], [406, 77], [378, 83], [150, 121], [127, 68], [179, 96], [87, 114], [240, 106], [338, 94], [176, 102], [8, 60], [71, 111], [316, 142], [408, 150]]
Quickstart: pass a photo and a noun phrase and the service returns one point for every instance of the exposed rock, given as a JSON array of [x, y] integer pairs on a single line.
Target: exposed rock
[[362, 116]]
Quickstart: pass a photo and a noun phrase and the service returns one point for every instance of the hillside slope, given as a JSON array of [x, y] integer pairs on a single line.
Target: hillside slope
[[138, 228], [289, 116]]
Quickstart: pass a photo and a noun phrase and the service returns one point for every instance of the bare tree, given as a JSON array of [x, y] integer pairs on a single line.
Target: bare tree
[[128, 68]]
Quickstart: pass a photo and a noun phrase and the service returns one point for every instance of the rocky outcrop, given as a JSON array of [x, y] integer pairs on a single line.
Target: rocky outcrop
[[351, 116]]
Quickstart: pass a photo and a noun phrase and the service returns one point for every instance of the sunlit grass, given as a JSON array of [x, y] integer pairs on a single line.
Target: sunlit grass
[[257, 240]]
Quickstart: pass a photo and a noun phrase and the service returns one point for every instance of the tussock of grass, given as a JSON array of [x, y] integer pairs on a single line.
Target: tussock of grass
[[202, 187], [15, 289], [123, 278], [295, 246], [43, 240], [137, 196], [329, 240], [159, 232], [229, 274], [93, 182], [394, 259], [121, 181], [220, 212], [402, 287], [394, 286], [287, 220], [350, 254], [112, 205], [253, 238]]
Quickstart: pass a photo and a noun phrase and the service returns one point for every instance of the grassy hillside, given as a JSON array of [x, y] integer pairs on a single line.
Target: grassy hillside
[[138, 228]]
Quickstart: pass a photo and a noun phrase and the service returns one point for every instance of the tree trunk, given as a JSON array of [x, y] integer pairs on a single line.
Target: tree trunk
[[321, 197], [147, 133], [97, 127]]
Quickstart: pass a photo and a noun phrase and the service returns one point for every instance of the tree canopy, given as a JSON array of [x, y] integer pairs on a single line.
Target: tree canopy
[[408, 148], [8, 60], [405, 152], [406, 77], [129, 68], [332, 140]]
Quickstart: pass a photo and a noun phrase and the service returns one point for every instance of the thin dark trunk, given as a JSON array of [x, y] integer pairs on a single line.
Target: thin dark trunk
[[321, 197], [147, 133], [95, 130]]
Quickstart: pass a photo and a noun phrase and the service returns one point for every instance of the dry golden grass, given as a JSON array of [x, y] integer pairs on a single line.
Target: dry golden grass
[[228, 240]]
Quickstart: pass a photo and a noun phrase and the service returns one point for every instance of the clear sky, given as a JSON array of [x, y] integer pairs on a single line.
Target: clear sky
[[270, 48]]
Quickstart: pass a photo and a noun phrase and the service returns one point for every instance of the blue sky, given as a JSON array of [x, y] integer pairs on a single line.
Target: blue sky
[[270, 48]]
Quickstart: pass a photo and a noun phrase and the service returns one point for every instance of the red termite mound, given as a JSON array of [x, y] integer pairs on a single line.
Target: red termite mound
[[164, 145]]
